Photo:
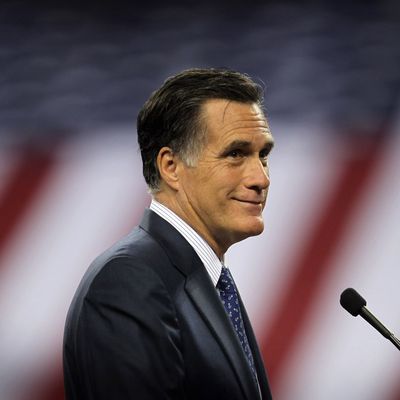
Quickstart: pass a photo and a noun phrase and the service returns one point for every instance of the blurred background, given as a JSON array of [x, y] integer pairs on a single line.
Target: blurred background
[[73, 77]]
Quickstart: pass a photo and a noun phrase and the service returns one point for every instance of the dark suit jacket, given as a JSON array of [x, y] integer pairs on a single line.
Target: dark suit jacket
[[147, 323]]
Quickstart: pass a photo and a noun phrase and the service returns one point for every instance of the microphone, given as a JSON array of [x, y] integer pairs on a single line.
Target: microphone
[[355, 304]]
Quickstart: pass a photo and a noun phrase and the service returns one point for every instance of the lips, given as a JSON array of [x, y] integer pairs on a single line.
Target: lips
[[254, 206], [252, 201]]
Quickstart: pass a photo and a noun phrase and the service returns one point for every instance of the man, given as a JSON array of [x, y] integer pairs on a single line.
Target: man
[[158, 316]]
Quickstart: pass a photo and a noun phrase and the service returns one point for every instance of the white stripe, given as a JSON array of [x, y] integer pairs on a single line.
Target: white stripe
[[210, 260]]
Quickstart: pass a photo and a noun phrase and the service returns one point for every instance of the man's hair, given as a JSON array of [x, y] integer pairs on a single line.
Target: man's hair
[[172, 115]]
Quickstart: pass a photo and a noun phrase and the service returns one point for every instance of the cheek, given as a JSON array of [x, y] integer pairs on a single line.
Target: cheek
[[215, 188]]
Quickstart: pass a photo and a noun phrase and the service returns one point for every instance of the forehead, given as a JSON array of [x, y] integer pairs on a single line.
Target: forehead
[[225, 119]]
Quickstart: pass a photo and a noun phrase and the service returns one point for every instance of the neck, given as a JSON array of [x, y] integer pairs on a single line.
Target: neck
[[193, 221]]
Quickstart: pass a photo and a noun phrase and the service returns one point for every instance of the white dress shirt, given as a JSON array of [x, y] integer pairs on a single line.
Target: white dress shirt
[[206, 254]]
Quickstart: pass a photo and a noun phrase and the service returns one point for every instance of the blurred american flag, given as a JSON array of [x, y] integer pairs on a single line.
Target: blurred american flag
[[70, 177]]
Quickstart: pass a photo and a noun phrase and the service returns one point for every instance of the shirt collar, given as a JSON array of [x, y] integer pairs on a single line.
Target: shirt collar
[[206, 254]]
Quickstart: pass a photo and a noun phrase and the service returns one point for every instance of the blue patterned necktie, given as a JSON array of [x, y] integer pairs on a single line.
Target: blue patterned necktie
[[228, 294]]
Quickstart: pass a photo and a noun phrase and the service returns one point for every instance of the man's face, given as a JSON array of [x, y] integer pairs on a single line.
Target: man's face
[[223, 196]]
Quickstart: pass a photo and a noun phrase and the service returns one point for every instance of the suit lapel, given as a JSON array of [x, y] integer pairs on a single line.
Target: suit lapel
[[202, 292], [262, 377]]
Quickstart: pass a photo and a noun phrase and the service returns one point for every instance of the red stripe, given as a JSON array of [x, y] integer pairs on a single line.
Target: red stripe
[[52, 389], [21, 189], [313, 264], [395, 395], [49, 386]]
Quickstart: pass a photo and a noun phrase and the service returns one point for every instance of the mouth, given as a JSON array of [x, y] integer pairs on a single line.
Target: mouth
[[254, 204]]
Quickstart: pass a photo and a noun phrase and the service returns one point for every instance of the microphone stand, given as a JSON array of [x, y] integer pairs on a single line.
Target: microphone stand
[[371, 319], [395, 341]]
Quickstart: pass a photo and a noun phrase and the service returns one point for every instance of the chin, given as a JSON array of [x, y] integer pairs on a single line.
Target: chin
[[256, 224], [251, 228], [257, 230]]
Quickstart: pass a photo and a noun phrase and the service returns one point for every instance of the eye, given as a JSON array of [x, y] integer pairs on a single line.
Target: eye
[[235, 153], [264, 156]]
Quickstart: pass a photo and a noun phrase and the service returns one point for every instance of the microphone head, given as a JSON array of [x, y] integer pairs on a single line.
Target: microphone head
[[352, 301]]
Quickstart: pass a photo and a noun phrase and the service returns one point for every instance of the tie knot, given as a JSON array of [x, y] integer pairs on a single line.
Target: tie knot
[[225, 282]]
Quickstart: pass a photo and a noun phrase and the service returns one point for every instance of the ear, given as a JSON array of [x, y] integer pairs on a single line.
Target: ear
[[167, 163]]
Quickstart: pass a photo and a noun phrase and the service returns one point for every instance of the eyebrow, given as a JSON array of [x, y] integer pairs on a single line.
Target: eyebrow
[[244, 144]]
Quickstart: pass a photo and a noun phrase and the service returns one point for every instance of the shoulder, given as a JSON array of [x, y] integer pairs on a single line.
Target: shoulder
[[127, 278], [135, 266], [135, 256]]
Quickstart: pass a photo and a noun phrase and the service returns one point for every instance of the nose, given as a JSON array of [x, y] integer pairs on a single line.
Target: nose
[[258, 176]]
